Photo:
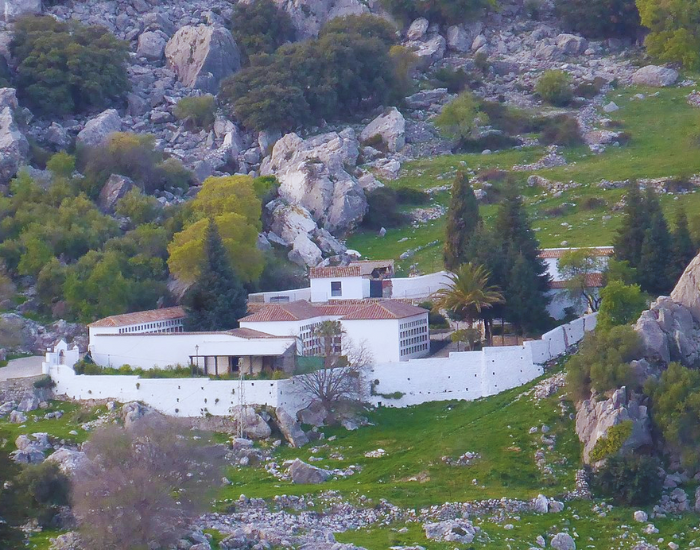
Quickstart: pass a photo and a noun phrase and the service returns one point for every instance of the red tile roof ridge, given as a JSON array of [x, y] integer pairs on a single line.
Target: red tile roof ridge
[[139, 317]]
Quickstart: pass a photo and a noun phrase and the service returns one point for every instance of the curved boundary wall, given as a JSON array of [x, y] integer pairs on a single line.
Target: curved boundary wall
[[463, 375]]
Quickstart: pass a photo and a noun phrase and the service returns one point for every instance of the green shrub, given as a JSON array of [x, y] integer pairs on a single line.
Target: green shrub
[[561, 130], [409, 195], [435, 318], [555, 87], [382, 209], [139, 208], [602, 362], [44, 382], [460, 119], [589, 89], [510, 120], [45, 490], [612, 442], [629, 480], [599, 18], [196, 112], [260, 27], [455, 80], [441, 11], [67, 67], [620, 303]]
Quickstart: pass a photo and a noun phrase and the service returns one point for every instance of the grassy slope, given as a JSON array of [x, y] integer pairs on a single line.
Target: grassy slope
[[661, 129]]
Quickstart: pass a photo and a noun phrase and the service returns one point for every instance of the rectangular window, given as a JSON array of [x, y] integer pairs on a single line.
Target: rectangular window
[[336, 288]]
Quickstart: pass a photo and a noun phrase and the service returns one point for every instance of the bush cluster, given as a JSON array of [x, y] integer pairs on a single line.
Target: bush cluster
[[260, 27], [612, 442], [555, 87], [346, 69], [560, 130], [384, 206], [440, 11], [629, 480], [67, 67], [600, 18], [197, 112]]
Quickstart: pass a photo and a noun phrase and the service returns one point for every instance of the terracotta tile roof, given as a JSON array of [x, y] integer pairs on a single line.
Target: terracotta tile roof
[[337, 271], [593, 280], [387, 309], [291, 311], [559, 252], [139, 317], [251, 334]]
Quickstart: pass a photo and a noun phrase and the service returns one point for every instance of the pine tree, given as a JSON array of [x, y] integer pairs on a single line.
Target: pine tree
[[630, 235], [462, 220], [653, 272], [217, 299], [525, 306], [683, 249]]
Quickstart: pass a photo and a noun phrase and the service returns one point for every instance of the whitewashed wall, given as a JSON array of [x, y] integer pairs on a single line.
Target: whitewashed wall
[[465, 375], [418, 287]]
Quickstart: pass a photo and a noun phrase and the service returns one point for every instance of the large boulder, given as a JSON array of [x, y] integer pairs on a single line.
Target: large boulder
[[308, 16], [389, 127], [254, 427], [12, 9], [668, 330], [99, 128], [562, 541], [68, 460], [570, 44], [417, 29], [314, 414], [595, 418], [288, 221], [304, 473], [655, 76], [687, 291], [135, 411], [114, 189], [151, 45], [305, 252], [317, 173], [202, 56], [429, 51], [459, 530], [290, 428], [14, 147]]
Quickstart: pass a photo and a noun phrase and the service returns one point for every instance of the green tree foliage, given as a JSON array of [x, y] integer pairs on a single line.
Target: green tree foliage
[[68, 67], [346, 68], [382, 209], [217, 299], [576, 267], [197, 112], [524, 301], [441, 11], [620, 304], [602, 362], [555, 87], [134, 156], [461, 118], [612, 442], [630, 235], [653, 270], [599, 18], [675, 35], [44, 490], [629, 480], [683, 247], [462, 220], [235, 208], [619, 270], [139, 208], [261, 27], [676, 404]]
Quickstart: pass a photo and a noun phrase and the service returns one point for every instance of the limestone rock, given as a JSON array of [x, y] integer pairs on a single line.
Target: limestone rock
[[316, 173], [328, 244], [417, 29], [304, 473], [57, 136], [611, 107], [595, 418], [12, 9], [151, 45], [655, 76], [17, 417], [14, 147], [314, 414], [390, 127], [640, 516], [202, 56], [541, 504], [308, 16], [98, 129], [427, 98], [305, 252], [687, 291], [68, 460], [29, 403], [668, 330], [289, 220], [290, 428], [460, 37], [458, 530], [562, 541], [429, 51], [28, 456], [134, 411], [570, 44], [254, 427], [114, 189]]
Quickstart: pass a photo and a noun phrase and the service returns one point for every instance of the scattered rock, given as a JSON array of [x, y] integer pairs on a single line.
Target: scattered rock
[[98, 129], [417, 29], [304, 473], [151, 45], [458, 530]]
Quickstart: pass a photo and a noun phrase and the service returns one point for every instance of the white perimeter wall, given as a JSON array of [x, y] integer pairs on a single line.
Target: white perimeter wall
[[465, 375], [419, 287]]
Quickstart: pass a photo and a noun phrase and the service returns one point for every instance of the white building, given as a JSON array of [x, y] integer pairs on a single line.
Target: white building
[[155, 339], [389, 330]]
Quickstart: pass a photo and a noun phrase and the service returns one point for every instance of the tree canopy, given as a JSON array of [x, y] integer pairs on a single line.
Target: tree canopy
[[462, 220]]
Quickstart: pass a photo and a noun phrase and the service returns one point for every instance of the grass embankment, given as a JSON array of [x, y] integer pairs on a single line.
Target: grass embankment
[[664, 142]]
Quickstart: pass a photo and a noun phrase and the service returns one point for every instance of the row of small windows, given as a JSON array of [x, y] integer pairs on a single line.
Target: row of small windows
[[415, 349], [415, 340], [417, 323], [414, 331], [174, 325]]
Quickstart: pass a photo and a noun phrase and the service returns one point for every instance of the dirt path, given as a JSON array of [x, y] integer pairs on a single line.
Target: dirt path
[[22, 368]]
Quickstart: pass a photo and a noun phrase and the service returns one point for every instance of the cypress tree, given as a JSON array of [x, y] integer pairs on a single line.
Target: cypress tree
[[462, 220], [217, 299], [683, 249], [653, 270], [630, 235], [525, 306]]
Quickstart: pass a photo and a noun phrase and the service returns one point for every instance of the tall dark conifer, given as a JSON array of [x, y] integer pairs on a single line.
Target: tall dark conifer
[[217, 300], [525, 303], [630, 235], [653, 270], [462, 220], [683, 249]]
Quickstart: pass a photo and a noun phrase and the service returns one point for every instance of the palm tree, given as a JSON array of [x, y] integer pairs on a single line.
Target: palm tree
[[468, 293]]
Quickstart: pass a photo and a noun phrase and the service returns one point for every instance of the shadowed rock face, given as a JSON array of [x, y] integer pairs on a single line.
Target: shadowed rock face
[[687, 291]]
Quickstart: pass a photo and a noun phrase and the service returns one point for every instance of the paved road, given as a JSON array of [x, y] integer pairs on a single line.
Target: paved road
[[22, 368]]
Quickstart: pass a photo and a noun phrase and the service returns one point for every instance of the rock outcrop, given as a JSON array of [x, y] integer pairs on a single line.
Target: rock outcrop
[[594, 419], [308, 16], [459, 530], [12, 9], [318, 174], [389, 128], [99, 128], [114, 189], [687, 291], [254, 426], [290, 428], [304, 473], [202, 56], [68, 460], [14, 147], [669, 332], [655, 76]]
